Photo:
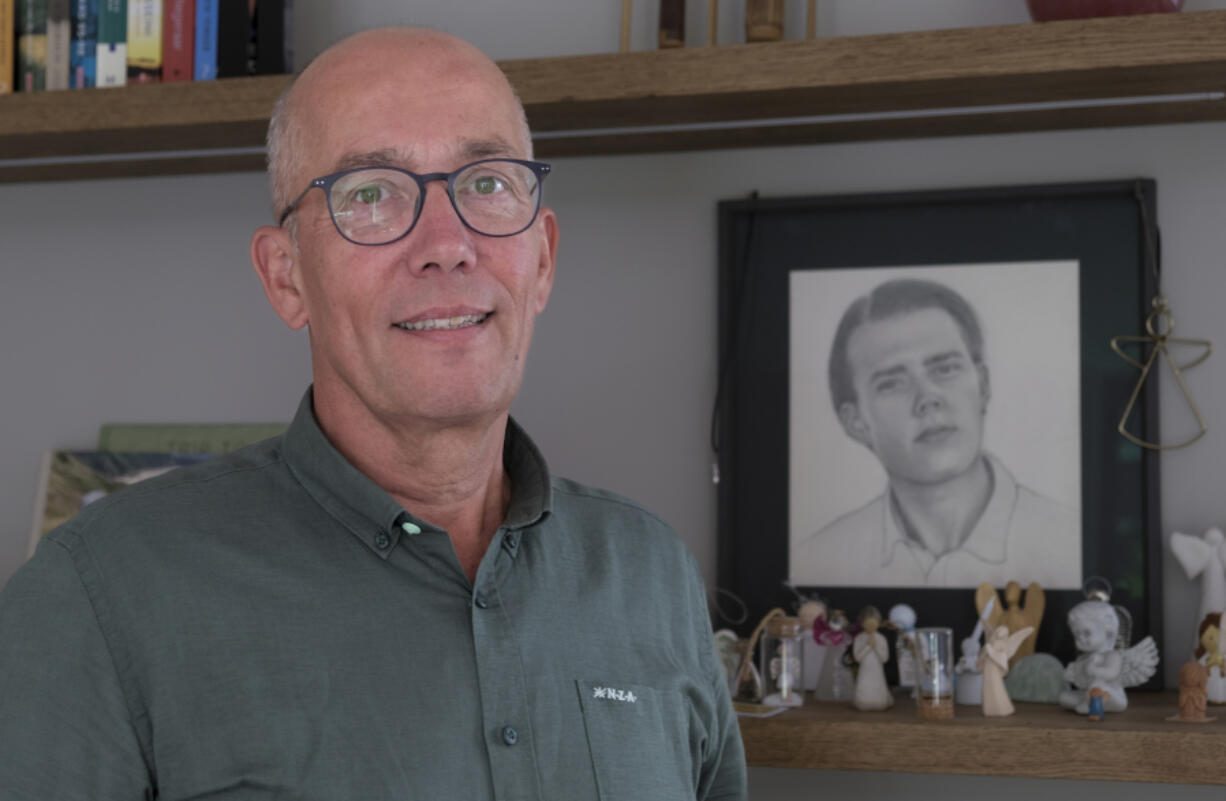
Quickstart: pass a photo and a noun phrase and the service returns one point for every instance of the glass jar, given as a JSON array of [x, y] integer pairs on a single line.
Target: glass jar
[[934, 668], [781, 662]]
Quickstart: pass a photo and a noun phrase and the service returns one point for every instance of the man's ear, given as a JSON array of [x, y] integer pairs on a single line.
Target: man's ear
[[985, 385], [275, 262], [854, 425], [548, 257]]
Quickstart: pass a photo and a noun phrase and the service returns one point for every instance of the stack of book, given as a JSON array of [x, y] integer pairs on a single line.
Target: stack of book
[[76, 44]]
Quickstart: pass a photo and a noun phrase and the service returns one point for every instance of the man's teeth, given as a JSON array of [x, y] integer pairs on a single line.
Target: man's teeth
[[444, 323]]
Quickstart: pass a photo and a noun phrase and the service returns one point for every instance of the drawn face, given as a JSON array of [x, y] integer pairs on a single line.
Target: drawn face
[[920, 396]]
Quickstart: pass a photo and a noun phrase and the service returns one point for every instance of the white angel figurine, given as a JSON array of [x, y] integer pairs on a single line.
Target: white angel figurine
[[968, 672], [871, 652], [1206, 557], [1102, 663], [994, 663]]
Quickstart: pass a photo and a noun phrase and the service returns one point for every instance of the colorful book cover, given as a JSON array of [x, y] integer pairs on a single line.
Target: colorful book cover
[[83, 56], [71, 480], [235, 29], [204, 65], [178, 25], [184, 437], [7, 38], [59, 42], [112, 61], [32, 45], [144, 41]]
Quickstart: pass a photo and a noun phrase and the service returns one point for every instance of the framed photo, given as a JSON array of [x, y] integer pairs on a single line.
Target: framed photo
[[918, 394]]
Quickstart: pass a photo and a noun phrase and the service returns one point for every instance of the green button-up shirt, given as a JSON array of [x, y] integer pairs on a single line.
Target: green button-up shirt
[[271, 624]]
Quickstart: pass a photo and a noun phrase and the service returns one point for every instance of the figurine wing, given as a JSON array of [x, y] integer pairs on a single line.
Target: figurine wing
[[1139, 662], [1035, 604], [1192, 552], [984, 593], [1017, 638]]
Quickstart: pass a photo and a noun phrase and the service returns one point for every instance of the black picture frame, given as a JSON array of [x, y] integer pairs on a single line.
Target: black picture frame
[[1099, 224]]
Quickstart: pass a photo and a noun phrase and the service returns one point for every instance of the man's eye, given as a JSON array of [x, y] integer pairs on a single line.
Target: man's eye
[[369, 194], [947, 369], [487, 185], [889, 386]]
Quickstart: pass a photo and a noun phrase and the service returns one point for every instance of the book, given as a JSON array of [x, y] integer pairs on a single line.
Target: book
[[83, 49], [234, 32], [266, 50], [32, 45], [7, 38], [178, 48], [184, 437], [144, 41], [204, 62], [59, 43], [111, 64], [71, 480]]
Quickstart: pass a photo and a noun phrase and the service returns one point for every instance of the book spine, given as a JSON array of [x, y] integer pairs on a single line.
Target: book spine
[[234, 29], [112, 61], [7, 38], [59, 42], [144, 41], [178, 24], [268, 42], [32, 45], [204, 64], [84, 47]]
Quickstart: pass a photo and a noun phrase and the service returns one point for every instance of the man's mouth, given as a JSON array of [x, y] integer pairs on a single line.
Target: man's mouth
[[445, 323], [936, 434]]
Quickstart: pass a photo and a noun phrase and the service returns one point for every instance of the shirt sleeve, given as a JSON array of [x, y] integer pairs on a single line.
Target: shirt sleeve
[[65, 728]]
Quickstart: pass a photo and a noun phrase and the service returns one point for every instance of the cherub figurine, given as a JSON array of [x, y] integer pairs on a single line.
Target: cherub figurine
[[1103, 663], [1013, 613], [994, 664], [1209, 653], [871, 652], [1205, 557]]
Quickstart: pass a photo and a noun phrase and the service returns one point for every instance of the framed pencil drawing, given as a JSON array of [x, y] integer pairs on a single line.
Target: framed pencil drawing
[[918, 394]]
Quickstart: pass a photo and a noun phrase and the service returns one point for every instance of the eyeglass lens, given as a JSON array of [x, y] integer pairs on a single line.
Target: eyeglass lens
[[376, 205]]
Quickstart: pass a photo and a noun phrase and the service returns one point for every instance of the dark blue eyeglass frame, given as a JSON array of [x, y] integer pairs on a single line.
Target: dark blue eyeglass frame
[[539, 168]]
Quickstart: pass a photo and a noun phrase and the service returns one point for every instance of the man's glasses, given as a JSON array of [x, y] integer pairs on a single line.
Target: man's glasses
[[378, 205]]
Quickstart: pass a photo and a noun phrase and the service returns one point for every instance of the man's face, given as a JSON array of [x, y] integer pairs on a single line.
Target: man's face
[[920, 396], [426, 108]]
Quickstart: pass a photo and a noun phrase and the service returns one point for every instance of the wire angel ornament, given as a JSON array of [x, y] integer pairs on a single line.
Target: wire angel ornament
[[1105, 661], [1204, 556], [1160, 324]]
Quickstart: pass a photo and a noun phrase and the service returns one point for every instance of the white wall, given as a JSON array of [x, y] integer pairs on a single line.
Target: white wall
[[133, 300]]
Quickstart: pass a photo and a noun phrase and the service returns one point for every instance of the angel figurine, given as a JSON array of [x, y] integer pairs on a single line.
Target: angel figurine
[[1205, 557], [1209, 653], [968, 684], [994, 664], [1103, 662], [1014, 613], [871, 652]]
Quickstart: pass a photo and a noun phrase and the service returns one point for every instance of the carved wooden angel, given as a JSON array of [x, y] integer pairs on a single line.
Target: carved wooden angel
[[1013, 614], [994, 663], [1205, 557], [1103, 662]]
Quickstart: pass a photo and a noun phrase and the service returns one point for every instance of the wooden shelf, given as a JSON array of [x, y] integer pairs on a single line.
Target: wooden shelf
[[1041, 740], [739, 95]]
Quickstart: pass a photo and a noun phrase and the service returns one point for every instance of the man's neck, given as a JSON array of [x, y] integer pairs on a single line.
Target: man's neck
[[942, 516], [448, 475]]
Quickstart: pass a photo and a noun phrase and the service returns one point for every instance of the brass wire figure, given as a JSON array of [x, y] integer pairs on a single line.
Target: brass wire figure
[[1160, 324]]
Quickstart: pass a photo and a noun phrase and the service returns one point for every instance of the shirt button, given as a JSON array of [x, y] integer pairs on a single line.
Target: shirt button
[[482, 602], [382, 541], [509, 735]]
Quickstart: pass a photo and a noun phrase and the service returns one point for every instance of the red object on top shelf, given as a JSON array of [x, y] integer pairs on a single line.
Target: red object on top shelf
[[1045, 10]]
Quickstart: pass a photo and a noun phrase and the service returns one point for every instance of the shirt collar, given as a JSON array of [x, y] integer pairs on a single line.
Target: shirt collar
[[374, 516], [988, 540]]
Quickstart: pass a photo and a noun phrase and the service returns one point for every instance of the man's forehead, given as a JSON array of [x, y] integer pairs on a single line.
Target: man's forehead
[[911, 332], [411, 158]]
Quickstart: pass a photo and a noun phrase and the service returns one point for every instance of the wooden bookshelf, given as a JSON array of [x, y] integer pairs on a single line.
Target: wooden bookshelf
[[585, 105], [1041, 740]]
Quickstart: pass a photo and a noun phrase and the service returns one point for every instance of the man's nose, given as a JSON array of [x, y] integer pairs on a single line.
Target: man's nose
[[440, 238], [928, 397]]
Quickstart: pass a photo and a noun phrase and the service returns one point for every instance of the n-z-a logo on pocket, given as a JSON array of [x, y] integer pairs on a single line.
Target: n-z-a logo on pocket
[[614, 695]]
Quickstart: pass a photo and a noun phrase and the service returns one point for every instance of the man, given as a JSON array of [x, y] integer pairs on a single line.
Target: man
[[394, 600], [909, 382]]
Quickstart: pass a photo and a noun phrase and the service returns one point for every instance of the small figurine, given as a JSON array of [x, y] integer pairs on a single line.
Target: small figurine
[[871, 652], [968, 678], [1013, 613], [834, 680], [1094, 701], [903, 617], [1193, 677], [994, 664], [1103, 663], [1205, 557], [1209, 653]]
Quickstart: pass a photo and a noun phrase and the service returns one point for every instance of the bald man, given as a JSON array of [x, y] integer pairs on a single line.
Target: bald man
[[395, 599]]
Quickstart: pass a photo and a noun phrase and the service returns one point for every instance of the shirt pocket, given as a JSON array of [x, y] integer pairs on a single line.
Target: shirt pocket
[[639, 740]]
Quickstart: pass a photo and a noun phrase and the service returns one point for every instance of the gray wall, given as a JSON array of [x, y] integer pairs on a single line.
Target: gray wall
[[133, 300]]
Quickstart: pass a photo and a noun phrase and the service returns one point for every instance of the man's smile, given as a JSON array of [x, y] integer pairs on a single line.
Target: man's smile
[[445, 323], [936, 434]]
